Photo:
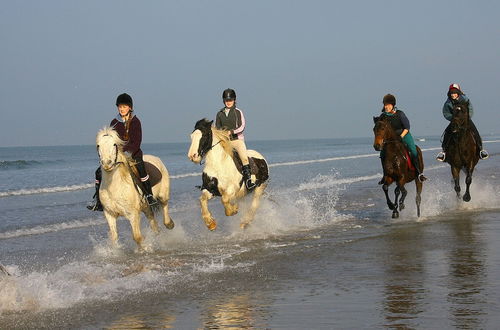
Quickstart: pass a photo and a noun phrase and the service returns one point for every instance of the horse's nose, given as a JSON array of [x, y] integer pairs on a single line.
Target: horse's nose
[[108, 162], [191, 156], [376, 146]]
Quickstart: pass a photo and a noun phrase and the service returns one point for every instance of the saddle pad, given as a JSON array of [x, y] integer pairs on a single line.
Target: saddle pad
[[153, 172], [408, 160], [258, 167]]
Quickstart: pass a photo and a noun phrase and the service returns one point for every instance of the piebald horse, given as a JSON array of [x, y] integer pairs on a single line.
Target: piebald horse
[[119, 192], [221, 176]]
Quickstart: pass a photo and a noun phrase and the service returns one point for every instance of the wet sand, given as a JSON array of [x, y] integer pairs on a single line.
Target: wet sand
[[440, 273]]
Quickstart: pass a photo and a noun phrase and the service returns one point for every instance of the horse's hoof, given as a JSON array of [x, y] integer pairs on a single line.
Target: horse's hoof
[[244, 225], [395, 215], [401, 206], [231, 213], [212, 224], [466, 198], [170, 225]]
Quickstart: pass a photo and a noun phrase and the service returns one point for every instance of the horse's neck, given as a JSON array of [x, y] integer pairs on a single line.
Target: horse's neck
[[390, 134], [218, 160], [394, 145]]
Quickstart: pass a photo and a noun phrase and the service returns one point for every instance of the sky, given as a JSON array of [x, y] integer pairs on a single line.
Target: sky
[[301, 69]]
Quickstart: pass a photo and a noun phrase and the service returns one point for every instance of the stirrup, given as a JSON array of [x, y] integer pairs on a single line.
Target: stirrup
[[95, 206], [421, 177], [483, 154], [151, 200], [441, 156], [250, 185]]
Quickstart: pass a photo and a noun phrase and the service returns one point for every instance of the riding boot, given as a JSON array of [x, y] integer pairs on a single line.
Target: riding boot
[[483, 154], [418, 168], [441, 156], [96, 203], [148, 192], [247, 177]]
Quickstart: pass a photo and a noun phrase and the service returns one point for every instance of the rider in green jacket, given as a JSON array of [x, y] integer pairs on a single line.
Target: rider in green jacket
[[401, 126]]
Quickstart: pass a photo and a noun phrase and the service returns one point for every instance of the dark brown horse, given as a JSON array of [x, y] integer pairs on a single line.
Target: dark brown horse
[[395, 165], [462, 152]]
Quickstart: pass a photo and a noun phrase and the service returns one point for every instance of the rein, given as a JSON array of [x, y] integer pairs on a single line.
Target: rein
[[204, 152], [116, 156]]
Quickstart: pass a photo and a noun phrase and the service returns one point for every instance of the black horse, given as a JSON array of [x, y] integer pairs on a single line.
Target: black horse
[[462, 152], [395, 165]]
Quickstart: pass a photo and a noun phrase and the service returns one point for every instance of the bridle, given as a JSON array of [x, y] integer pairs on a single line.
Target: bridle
[[116, 162], [204, 151]]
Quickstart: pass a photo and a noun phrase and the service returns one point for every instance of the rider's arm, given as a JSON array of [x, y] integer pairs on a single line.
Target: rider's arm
[[241, 128], [447, 110], [134, 137], [466, 100], [405, 123]]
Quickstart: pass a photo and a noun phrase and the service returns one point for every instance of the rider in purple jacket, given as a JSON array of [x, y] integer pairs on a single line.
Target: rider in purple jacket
[[129, 129]]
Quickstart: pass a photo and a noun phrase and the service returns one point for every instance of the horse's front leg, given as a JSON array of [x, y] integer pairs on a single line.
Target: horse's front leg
[[468, 181], [395, 213], [230, 205], [205, 213], [257, 194], [135, 224], [113, 233], [455, 172], [385, 187]]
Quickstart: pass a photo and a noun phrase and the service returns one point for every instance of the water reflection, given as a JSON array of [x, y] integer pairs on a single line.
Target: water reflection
[[240, 311], [467, 276], [143, 321], [404, 277]]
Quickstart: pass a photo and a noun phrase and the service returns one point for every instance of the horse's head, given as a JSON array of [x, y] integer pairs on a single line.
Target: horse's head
[[108, 145], [201, 140], [381, 130], [460, 118]]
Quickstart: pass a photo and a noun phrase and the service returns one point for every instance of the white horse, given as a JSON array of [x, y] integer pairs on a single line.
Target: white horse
[[221, 176], [119, 193]]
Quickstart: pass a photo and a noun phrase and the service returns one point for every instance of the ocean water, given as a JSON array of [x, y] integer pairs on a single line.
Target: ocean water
[[322, 252]]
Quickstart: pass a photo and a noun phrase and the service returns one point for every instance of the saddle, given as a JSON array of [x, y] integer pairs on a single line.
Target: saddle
[[406, 155], [258, 167], [408, 160], [153, 172]]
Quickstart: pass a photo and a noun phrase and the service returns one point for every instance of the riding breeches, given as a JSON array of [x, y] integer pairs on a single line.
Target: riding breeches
[[241, 149], [410, 144]]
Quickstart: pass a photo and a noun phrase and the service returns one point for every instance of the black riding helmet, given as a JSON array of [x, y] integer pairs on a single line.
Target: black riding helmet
[[124, 99], [228, 94]]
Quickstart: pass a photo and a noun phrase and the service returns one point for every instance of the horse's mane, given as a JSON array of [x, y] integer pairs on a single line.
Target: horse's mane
[[225, 142], [384, 121], [106, 130]]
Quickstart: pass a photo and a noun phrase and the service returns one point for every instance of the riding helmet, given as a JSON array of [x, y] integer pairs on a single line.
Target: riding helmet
[[228, 94], [124, 99], [389, 99], [454, 88]]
